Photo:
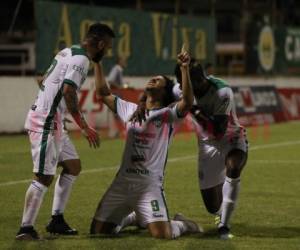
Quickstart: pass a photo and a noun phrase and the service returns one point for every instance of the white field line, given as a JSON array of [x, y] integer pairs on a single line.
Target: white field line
[[96, 170]]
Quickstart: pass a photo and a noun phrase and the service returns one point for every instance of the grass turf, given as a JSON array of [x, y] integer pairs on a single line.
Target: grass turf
[[267, 215]]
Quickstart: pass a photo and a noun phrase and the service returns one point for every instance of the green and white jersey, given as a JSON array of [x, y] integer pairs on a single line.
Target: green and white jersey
[[219, 100], [70, 66]]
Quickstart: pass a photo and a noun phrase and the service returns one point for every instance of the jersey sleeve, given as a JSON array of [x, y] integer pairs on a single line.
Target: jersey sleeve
[[224, 104], [177, 92], [77, 71], [124, 109], [174, 114]]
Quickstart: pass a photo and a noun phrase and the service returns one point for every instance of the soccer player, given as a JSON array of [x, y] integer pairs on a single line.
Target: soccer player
[[138, 185], [222, 142], [50, 145]]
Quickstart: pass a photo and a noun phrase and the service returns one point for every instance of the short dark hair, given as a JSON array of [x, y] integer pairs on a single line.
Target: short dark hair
[[197, 73], [99, 31], [169, 97]]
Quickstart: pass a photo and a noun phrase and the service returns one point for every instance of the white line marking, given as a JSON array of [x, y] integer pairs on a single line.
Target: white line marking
[[274, 145], [95, 170]]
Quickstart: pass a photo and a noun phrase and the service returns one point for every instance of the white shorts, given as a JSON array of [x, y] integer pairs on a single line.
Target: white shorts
[[48, 149], [123, 197], [68, 151], [211, 161]]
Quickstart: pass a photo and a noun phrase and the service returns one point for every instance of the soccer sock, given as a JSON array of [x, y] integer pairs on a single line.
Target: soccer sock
[[231, 189], [129, 220], [178, 228], [62, 192], [33, 200]]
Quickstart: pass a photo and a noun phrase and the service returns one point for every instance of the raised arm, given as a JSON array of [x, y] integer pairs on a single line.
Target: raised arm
[[186, 102], [102, 88], [71, 99]]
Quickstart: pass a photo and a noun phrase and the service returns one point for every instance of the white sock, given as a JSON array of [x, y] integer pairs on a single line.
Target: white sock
[[178, 228], [33, 200], [62, 192], [231, 190], [129, 220]]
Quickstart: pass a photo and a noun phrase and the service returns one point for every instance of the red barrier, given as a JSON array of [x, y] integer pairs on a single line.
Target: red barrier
[[290, 101], [283, 106]]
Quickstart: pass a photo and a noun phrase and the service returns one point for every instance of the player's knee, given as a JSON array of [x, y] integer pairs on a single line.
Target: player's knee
[[44, 179], [99, 227], [233, 171], [76, 170], [212, 206], [212, 209], [162, 232], [72, 167], [93, 227], [235, 161]]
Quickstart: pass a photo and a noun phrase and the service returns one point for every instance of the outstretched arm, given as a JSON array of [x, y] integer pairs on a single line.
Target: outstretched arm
[[184, 105], [102, 88]]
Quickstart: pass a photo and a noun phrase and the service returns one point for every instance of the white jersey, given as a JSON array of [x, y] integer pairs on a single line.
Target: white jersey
[[70, 66], [146, 149], [177, 92]]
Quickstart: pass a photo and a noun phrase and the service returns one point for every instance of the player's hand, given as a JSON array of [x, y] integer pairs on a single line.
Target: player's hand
[[140, 114], [200, 117], [92, 136], [183, 58]]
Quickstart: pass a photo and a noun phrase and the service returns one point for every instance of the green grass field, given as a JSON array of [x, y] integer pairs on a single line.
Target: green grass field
[[267, 216]]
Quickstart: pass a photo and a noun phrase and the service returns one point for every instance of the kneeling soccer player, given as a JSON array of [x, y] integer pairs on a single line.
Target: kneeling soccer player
[[138, 185], [223, 146]]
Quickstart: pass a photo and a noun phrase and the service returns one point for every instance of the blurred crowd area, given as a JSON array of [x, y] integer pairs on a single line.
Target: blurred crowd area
[[235, 21]]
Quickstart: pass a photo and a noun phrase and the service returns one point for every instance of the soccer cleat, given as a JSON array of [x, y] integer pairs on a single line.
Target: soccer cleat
[[224, 233], [192, 227], [58, 225], [27, 233]]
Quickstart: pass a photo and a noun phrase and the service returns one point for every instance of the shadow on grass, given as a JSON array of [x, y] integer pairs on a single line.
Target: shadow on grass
[[263, 231]]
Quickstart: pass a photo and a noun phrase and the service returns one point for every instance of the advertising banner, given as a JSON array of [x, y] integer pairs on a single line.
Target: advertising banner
[[256, 99], [150, 41], [273, 50]]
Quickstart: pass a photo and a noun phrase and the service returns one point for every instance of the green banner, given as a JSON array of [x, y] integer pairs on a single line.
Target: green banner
[[288, 50], [273, 50], [150, 41]]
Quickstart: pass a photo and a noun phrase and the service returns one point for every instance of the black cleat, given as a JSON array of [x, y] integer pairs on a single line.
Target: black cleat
[[224, 233], [58, 225], [27, 233]]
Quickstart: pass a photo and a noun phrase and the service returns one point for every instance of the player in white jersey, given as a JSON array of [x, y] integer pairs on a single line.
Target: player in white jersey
[[138, 185], [50, 145], [223, 146]]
